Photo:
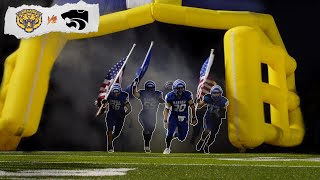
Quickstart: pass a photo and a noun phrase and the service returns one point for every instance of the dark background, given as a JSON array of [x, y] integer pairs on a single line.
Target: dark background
[[68, 124]]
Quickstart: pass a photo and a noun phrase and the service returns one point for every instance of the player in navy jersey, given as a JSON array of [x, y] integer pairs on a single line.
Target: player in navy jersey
[[216, 110], [118, 108], [177, 104], [150, 99]]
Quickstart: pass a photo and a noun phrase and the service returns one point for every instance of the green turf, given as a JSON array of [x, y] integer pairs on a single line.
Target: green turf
[[174, 166]]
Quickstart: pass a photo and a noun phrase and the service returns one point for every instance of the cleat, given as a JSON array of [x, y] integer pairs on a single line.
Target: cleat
[[147, 149], [110, 149], [167, 151], [206, 149], [199, 145]]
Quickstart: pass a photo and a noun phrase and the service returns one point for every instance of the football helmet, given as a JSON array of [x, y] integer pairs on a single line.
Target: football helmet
[[116, 88], [216, 92], [150, 85], [179, 87]]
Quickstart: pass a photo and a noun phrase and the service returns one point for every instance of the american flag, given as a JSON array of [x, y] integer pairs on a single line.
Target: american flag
[[110, 78], [205, 81]]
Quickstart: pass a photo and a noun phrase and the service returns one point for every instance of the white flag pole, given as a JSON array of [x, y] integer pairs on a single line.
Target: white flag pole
[[120, 71], [115, 79], [211, 58], [151, 44]]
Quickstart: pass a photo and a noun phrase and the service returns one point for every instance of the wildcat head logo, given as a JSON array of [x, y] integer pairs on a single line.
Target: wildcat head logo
[[29, 19], [76, 18]]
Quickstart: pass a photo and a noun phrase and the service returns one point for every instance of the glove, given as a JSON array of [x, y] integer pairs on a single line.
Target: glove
[[104, 101]]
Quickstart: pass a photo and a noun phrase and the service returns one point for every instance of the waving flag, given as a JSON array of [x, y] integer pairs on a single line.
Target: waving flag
[[114, 75], [142, 70], [205, 81], [110, 79]]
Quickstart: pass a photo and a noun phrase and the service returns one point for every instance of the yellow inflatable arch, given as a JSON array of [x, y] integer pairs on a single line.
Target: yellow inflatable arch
[[251, 39]]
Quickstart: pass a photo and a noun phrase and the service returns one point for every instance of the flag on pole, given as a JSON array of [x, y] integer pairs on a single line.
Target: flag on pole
[[142, 70], [114, 75], [206, 81], [110, 79]]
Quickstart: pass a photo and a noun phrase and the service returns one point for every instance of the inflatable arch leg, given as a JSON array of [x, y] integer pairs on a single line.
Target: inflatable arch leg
[[7, 141], [27, 73], [245, 49]]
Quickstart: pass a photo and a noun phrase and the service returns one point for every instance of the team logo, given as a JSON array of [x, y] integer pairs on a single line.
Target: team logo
[[76, 18], [29, 19]]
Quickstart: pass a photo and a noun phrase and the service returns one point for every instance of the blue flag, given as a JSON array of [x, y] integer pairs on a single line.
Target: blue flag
[[141, 71]]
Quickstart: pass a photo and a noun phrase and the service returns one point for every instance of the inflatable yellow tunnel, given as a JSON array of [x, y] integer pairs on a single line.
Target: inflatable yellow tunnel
[[252, 39]]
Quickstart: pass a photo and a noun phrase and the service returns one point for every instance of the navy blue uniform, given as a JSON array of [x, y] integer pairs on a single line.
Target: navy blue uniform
[[148, 115], [212, 119], [116, 112], [179, 114]]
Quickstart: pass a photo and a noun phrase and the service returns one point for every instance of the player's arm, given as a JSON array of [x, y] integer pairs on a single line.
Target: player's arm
[[166, 110], [127, 106], [135, 91], [194, 120], [160, 98], [223, 110]]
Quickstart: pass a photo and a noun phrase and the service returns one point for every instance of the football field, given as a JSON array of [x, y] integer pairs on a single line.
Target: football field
[[103, 165]]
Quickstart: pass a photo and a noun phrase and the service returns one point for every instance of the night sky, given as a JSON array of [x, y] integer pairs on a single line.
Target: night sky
[[68, 121]]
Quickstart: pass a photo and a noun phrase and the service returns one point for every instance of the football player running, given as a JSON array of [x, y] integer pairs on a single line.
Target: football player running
[[150, 99], [177, 104], [216, 110], [118, 108]]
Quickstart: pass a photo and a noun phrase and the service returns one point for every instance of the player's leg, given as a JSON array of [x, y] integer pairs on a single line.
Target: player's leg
[[148, 125], [110, 125], [172, 124], [207, 126], [214, 131], [183, 129], [147, 135], [118, 125]]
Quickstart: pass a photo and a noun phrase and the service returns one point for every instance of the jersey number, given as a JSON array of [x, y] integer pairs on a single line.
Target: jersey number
[[179, 107], [115, 105], [149, 105]]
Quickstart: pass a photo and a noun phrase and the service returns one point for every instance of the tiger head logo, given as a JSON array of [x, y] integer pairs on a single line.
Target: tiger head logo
[[29, 19]]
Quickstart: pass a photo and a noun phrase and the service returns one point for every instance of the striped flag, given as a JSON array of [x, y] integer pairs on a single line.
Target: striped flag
[[205, 81], [110, 79], [113, 76]]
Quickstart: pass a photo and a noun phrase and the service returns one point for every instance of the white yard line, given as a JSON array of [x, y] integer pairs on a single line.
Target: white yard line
[[57, 172]]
